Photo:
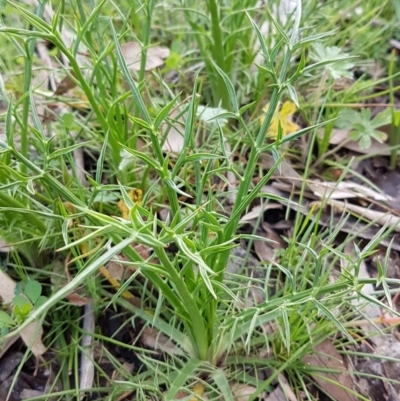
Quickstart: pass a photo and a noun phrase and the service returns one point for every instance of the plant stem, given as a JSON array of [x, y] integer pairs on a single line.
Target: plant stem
[[29, 50], [244, 185], [218, 53], [8, 201], [197, 329], [394, 136]]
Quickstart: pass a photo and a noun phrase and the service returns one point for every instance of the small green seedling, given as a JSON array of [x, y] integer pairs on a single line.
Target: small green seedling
[[6, 320], [28, 299], [362, 127]]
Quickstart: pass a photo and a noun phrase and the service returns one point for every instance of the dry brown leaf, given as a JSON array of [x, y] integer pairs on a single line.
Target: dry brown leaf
[[173, 144], [344, 190], [198, 389], [5, 345], [132, 53], [257, 210], [375, 216], [324, 189], [127, 369], [266, 250], [242, 392], [116, 270], [31, 335], [7, 287], [350, 225], [287, 390], [75, 299], [64, 86], [326, 356], [153, 339], [284, 172], [142, 250], [87, 370], [4, 247], [283, 392], [276, 395]]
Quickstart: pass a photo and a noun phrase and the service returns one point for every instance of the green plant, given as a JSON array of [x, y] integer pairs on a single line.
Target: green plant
[[191, 299], [228, 43], [29, 298], [362, 127], [196, 296]]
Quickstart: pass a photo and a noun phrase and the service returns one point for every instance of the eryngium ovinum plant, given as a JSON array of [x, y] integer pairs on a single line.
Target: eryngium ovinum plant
[[195, 308]]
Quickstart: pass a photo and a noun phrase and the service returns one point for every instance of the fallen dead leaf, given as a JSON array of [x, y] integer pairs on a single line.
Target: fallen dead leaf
[[349, 225], [5, 345], [75, 299], [132, 52], [335, 385], [266, 250], [322, 189], [257, 210], [116, 270], [64, 86], [174, 141], [242, 392], [87, 370], [344, 190], [276, 395], [198, 389], [29, 393], [153, 339], [7, 287], [287, 390], [4, 247], [375, 216]]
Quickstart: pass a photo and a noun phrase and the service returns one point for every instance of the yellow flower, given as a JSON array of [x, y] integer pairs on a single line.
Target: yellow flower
[[197, 389], [136, 196], [283, 115]]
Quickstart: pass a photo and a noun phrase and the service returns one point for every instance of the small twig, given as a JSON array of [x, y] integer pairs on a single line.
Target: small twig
[[87, 355]]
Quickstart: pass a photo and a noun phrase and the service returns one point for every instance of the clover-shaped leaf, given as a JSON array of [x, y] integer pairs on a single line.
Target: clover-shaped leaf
[[33, 289]]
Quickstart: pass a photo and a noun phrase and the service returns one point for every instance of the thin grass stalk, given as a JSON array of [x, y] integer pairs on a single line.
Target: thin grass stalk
[[218, 52], [394, 136], [245, 182], [8, 201], [149, 8], [197, 328], [29, 49], [82, 82], [196, 323], [237, 17]]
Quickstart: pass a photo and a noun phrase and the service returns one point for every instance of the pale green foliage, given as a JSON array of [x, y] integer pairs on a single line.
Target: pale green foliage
[[362, 127], [212, 115], [339, 65], [44, 207]]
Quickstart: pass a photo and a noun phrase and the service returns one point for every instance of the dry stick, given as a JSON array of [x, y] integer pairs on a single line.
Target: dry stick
[[87, 355]]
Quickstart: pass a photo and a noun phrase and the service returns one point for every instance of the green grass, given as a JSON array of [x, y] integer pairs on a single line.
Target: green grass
[[51, 217]]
